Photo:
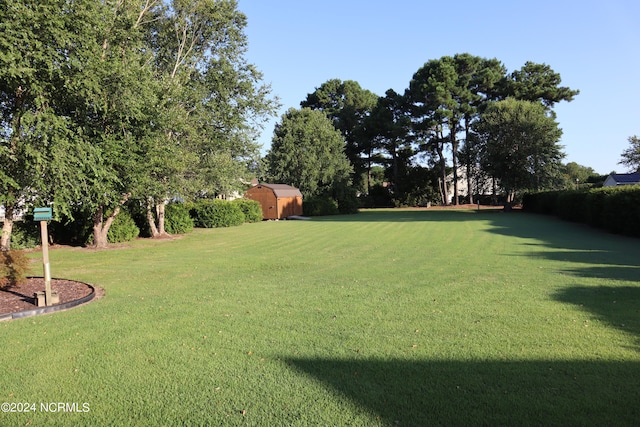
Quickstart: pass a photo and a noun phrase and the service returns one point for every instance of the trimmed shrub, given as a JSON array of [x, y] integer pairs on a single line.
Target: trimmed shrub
[[544, 202], [77, 231], [216, 213], [13, 268], [378, 197], [348, 202], [177, 218], [622, 211], [615, 209], [138, 211], [123, 228], [250, 208], [571, 205], [596, 202], [25, 234], [320, 206]]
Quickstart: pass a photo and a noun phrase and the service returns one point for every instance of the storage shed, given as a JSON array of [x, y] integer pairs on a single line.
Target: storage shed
[[278, 201]]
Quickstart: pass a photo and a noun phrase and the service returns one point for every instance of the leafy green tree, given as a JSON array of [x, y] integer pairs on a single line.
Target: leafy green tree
[[308, 152], [577, 175], [449, 94], [213, 102], [41, 58], [520, 144], [153, 98], [115, 112], [347, 104], [631, 156]]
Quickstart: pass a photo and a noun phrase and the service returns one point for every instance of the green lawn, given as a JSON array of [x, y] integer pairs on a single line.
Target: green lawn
[[389, 317]]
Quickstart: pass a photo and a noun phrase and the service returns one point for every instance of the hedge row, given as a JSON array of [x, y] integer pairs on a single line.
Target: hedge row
[[131, 222], [177, 219], [345, 203], [615, 209], [222, 213], [320, 206]]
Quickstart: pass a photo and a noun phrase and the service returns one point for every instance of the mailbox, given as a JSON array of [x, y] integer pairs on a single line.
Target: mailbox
[[42, 214]]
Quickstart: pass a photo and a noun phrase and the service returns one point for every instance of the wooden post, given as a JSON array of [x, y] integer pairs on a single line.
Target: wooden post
[[43, 215], [45, 262]]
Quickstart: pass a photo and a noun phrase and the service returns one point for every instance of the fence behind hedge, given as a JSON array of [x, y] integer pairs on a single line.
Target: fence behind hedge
[[616, 209]]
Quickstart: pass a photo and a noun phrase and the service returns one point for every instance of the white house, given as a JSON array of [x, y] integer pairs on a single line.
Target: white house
[[616, 179], [481, 184], [17, 214]]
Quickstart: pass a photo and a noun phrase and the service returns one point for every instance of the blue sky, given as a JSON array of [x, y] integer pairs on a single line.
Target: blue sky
[[594, 45]]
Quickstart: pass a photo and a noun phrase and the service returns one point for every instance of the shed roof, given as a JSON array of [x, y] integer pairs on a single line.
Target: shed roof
[[283, 190], [626, 178]]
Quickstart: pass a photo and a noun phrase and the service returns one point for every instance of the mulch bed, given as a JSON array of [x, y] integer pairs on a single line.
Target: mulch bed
[[20, 297]]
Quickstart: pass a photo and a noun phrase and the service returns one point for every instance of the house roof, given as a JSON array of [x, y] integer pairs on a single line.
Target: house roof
[[283, 190], [626, 178]]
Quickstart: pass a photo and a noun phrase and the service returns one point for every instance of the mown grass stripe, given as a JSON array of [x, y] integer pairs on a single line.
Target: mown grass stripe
[[419, 317]]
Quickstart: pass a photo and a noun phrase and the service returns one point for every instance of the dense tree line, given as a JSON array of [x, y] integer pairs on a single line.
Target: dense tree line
[[460, 115], [104, 102]]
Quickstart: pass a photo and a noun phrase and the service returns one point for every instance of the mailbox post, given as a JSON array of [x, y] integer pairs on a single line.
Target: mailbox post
[[43, 215]]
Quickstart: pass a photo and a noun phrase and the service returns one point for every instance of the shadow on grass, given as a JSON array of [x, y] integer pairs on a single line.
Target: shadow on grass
[[572, 242], [613, 257], [456, 393], [598, 393], [618, 306], [409, 215], [596, 255]]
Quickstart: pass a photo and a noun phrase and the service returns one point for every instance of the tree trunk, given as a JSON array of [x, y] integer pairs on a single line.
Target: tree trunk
[[160, 211], [467, 129], [369, 173], [101, 226], [494, 191], [99, 237], [443, 172], [157, 222], [469, 183], [508, 204], [395, 166], [7, 228], [454, 150], [151, 220]]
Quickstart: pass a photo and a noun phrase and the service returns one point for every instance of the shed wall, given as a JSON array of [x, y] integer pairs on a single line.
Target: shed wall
[[289, 206], [274, 207], [267, 200]]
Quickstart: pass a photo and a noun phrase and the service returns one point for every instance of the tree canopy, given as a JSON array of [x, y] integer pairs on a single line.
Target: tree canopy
[[538, 82], [308, 152], [347, 104], [446, 95], [519, 144], [631, 156], [429, 131], [153, 99]]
